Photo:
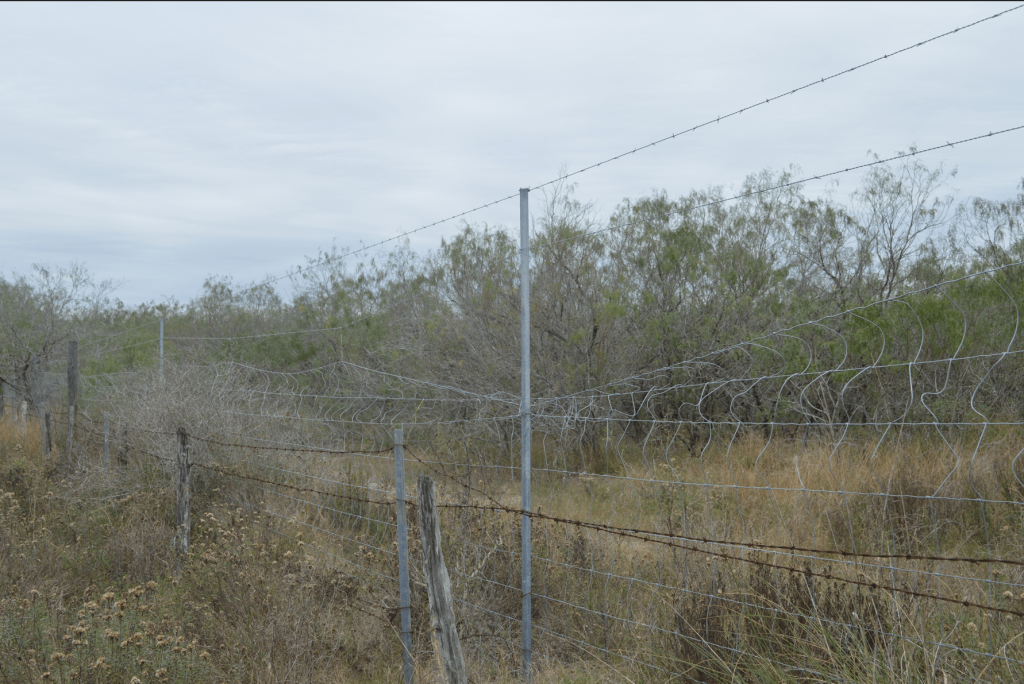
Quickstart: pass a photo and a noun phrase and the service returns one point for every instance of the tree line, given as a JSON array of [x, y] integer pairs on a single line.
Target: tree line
[[649, 304]]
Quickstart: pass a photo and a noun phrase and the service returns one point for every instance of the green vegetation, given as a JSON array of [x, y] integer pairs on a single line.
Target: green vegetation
[[884, 416], [660, 282]]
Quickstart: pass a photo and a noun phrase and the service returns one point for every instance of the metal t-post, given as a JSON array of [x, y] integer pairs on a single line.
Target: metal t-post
[[524, 409], [161, 350], [405, 604]]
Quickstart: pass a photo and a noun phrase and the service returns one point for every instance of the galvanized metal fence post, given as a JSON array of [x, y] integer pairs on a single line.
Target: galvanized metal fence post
[[405, 604], [106, 440], [524, 332], [161, 350]]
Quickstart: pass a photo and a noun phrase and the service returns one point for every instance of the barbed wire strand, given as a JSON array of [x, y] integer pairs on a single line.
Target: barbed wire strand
[[718, 119], [602, 527], [789, 184], [646, 537]]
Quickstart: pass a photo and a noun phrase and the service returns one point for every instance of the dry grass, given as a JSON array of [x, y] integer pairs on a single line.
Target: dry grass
[[93, 592], [617, 608], [283, 587]]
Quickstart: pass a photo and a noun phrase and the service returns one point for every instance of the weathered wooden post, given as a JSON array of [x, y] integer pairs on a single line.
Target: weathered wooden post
[[24, 417], [70, 443], [184, 524], [439, 587], [48, 432], [44, 425], [72, 399]]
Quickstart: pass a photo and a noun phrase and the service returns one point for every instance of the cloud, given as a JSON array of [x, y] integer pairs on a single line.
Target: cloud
[[162, 143]]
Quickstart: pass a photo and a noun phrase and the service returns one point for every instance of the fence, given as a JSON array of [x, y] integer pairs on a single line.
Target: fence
[[838, 500], [841, 500]]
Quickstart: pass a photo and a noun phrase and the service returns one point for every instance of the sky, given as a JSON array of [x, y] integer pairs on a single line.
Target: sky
[[161, 144]]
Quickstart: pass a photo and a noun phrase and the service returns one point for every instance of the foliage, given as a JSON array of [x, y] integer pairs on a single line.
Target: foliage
[[659, 284]]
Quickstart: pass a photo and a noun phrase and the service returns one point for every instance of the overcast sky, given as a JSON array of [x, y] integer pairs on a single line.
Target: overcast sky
[[161, 144]]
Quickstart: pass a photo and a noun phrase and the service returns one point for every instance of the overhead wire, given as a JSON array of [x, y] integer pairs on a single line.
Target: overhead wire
[[648, 535], [718, 119], [789, 184], [639, 222], [324, 262]]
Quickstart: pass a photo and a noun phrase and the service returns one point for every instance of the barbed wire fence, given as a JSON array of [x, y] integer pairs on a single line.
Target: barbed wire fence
[[839, 499]]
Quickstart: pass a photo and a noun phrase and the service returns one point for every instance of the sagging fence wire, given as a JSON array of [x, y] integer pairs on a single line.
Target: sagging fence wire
[[705, 359], [355, 601], [791, 184], [718, 119], [644, 535], [678, 522]]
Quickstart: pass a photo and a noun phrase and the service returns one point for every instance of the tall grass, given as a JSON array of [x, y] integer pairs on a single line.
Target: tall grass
[[284, 586], [92, 590]]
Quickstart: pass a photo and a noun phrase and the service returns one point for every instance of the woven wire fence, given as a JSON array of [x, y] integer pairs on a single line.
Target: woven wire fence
[[840, 500]]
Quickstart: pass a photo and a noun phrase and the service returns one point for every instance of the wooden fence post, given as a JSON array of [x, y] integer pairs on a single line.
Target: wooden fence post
[[439, 587], [71, 436], [49, 433], [184, 524]]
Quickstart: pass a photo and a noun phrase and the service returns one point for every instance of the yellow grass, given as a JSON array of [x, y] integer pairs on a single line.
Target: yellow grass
[[282, 582]]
